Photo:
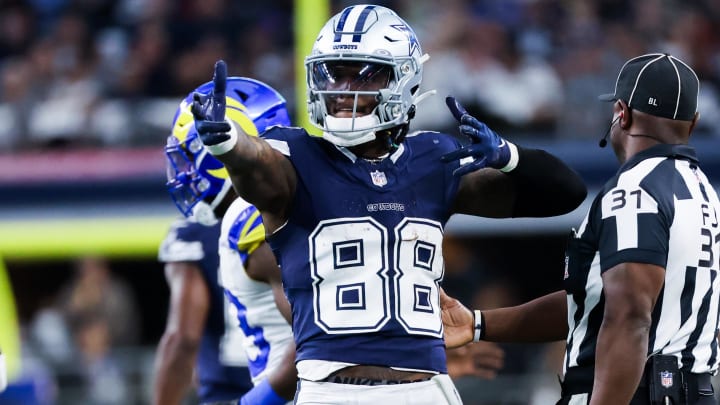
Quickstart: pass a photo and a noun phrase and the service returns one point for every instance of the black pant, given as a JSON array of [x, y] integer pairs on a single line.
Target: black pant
[[699, 392], [639, 399]]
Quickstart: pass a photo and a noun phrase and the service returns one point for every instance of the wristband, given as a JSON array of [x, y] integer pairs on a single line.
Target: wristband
[[514, 158], [262, 394], [226, 145], [478, 326], [3, 373]]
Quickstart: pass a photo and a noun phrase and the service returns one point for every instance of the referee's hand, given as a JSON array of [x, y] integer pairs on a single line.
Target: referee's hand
[[457, 320]]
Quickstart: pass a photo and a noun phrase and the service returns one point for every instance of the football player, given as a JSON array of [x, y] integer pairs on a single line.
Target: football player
[[356, 217], [226, 330]]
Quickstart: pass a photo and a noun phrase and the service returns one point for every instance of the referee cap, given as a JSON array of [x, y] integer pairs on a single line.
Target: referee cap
[[658, 84]]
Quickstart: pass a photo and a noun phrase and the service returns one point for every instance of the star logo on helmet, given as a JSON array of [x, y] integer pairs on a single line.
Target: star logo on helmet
[[412, 39]]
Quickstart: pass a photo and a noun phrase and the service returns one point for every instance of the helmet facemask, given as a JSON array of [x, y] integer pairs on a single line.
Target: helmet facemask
[[195, 178]]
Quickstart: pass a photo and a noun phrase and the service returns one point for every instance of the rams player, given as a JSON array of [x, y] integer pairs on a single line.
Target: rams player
[[233, 329]]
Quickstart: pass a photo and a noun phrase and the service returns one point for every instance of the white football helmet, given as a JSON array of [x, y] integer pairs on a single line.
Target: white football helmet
[[368, 58]]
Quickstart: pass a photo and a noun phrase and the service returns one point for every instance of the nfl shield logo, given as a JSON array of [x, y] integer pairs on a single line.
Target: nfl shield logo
[[378, 178], [666, 379]]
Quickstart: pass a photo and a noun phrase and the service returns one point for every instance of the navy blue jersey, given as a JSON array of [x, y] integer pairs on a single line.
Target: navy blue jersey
[[219, 376], [361, 254]]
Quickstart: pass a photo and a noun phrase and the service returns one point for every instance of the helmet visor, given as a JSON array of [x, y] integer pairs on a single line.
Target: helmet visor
[[340, 75]]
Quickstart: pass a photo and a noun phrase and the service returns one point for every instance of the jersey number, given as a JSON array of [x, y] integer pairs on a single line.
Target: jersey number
[[232, 339], [620, 198], [707, 247], [353, 289]]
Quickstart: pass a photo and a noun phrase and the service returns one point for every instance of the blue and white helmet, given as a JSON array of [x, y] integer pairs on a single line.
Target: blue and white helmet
[[382, 48], [196, 180]]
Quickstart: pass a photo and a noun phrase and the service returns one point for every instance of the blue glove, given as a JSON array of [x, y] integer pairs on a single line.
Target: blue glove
[[262, 394], [487, 147], [209, 110]]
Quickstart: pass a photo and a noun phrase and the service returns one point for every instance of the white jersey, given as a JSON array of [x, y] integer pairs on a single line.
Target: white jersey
[[267, 333]]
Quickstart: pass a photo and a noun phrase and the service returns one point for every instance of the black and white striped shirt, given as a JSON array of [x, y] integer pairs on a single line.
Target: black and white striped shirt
[[659, 209]]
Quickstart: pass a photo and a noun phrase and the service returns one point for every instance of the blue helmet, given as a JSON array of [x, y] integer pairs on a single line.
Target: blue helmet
[[194, 177]]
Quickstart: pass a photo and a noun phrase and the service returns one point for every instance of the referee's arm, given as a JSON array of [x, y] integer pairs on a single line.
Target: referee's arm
[[631, 290], [543, 319]]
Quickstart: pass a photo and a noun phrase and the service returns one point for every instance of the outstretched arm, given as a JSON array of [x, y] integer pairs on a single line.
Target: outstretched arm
[[189, 305], [543, 319], [259, 173], [505, 180]]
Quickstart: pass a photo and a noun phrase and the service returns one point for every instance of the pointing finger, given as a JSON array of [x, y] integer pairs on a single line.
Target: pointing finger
[[219, 80]]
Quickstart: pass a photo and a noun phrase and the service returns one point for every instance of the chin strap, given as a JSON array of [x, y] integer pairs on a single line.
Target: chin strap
[[204, 213], [396, 135], [221, 195]]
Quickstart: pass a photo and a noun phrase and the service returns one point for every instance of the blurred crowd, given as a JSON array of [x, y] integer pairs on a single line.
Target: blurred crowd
[[75, 338], [111, 72]]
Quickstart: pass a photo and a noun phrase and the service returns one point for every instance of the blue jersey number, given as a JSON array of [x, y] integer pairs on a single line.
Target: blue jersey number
[[231, 343]]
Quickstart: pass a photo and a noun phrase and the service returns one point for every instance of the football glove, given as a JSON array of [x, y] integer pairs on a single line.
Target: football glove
[[209, 110], [487, 148]]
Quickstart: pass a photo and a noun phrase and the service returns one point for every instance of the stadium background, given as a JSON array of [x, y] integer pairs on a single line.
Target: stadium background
[[88, 89]]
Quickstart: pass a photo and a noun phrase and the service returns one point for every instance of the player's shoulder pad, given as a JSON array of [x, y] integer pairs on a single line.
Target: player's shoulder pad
[[282, 138], [235, 209], [438, 142], [243, 228], [185, 241]]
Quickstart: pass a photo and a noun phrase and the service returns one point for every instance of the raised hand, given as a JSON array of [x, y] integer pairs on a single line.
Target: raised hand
[[209, 110], [487, 147]]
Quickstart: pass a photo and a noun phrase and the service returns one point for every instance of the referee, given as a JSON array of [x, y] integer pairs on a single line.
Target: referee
[[640, 307]]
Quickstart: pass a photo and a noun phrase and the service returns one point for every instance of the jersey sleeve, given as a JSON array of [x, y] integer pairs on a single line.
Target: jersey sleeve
[[435, 145], [635, 221], [247, 232]]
